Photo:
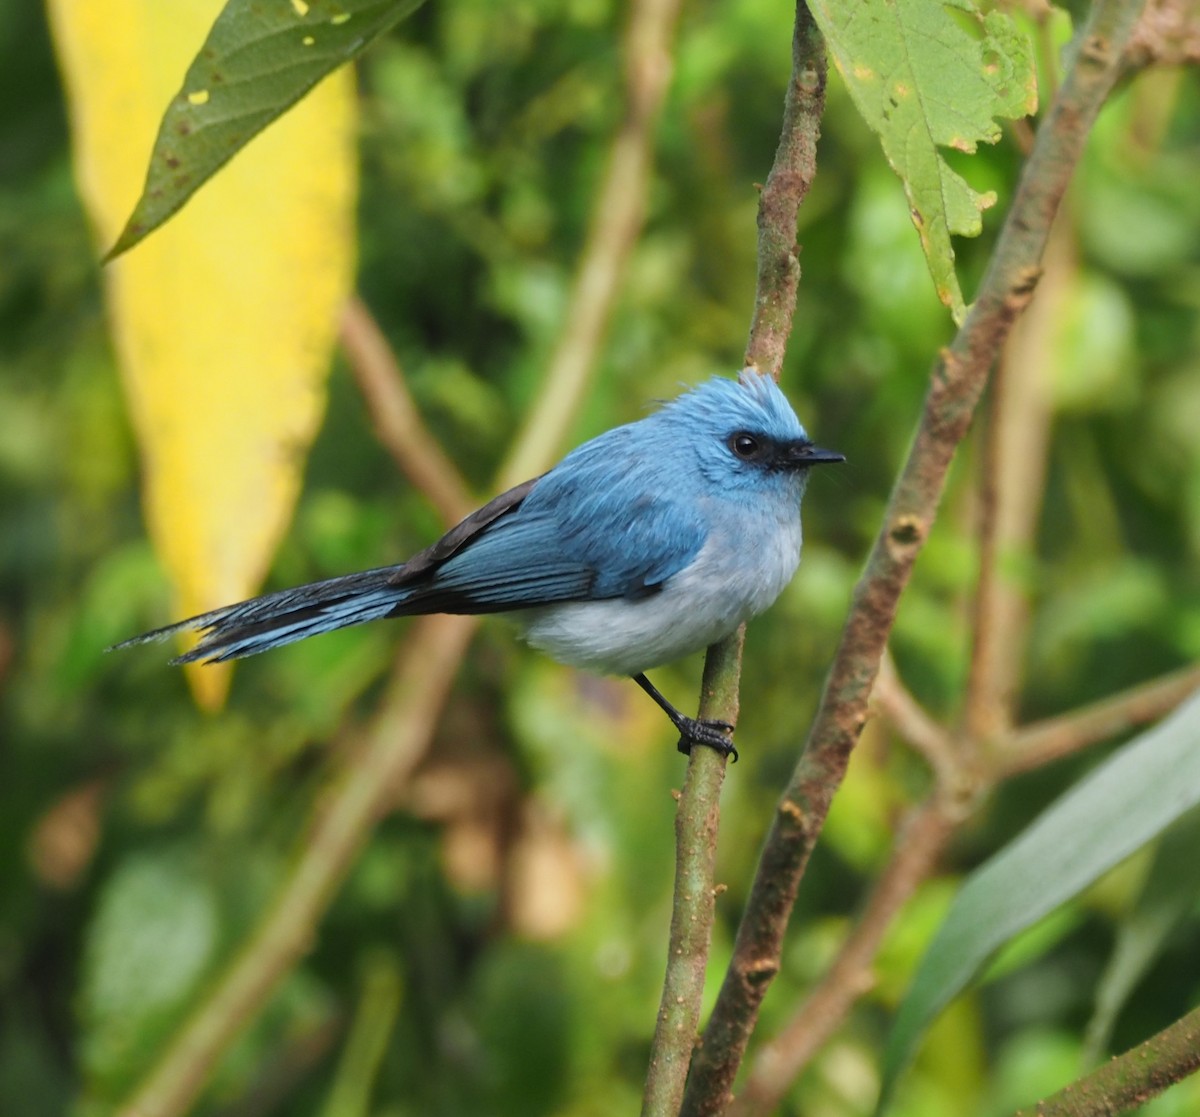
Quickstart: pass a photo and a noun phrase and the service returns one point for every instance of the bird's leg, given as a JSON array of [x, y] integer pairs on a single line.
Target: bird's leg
[[692, 731]]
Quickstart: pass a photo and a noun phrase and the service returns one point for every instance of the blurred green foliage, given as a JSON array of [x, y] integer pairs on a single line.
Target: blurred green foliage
[[519, 897]]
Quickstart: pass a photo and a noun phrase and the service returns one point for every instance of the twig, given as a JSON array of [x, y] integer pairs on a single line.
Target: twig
[[786, 187], [396, 418], [1130, 1079], [779, 1063], [697, 819], [616, 221], [1049, 740], [397, 739], [910, 719], [957, 381]]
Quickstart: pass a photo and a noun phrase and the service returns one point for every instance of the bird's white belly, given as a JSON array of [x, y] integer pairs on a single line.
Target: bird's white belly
[[730, 581]]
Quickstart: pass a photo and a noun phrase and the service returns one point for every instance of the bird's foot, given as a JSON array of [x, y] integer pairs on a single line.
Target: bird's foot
[[711, 734]]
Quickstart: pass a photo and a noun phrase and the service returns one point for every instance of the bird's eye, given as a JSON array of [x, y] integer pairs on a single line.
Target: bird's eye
[[744, 445]]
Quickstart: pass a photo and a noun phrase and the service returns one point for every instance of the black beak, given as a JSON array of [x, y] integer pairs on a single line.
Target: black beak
[[800, 455]]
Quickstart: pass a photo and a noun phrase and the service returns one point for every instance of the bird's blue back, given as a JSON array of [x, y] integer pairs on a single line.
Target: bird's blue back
[[625, 511]]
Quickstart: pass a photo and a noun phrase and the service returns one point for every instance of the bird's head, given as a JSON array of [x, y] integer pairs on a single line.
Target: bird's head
[[746, 435]]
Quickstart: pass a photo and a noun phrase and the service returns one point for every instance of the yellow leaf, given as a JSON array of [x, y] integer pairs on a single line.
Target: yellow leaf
[[225, 319]]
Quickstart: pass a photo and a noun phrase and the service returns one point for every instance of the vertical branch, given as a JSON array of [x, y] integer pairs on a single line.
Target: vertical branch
[[957, 380], [785, 190], [697, 820], [699, 811]]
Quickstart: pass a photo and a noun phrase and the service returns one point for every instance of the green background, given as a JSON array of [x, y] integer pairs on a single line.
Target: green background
[[139, 838]]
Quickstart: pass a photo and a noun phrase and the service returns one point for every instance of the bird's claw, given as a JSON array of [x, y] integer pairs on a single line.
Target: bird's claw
[[711, 734]]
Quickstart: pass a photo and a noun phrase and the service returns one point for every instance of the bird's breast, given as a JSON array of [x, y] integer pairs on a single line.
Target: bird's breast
[[736, 575]]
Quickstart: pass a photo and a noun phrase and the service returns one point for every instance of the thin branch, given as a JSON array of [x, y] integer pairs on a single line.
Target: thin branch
[[697, 819], [698, 816], [957, 381], [786, 188], [395, 742], [699, 812], [912, 722], [916, 853], [1130, 1079], [1049, 740], [396, 418], [616, 222]]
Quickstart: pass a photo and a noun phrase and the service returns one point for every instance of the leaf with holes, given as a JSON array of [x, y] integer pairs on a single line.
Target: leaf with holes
[[259, 59], [926, 76]]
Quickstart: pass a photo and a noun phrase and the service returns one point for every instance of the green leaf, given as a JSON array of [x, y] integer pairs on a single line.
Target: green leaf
[[154, 933], [925, 76], [1132, 797], [259, 59], [1168, 897]]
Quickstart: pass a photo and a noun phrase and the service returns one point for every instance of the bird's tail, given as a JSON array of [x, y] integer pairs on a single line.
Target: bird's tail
[[279, 618]]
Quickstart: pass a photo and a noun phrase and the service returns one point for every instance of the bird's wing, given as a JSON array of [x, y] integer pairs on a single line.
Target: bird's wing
[[461, 534], [594, 527]]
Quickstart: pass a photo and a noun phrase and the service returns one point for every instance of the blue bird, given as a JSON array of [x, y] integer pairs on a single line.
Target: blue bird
[[648, 543]]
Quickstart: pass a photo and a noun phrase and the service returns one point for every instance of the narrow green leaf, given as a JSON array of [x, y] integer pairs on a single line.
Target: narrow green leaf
[[1133, 796], [1168, 897], [930, 75], [259, 59]]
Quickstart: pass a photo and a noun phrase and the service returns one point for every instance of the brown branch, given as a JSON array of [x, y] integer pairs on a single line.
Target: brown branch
[[957, 381], [616, 222], [1049, 740], [395, 742], [778, 1064], [786, 187], [1130, 1079], [395, 417]]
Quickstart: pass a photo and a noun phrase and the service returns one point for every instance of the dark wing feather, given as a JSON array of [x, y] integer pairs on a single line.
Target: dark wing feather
[[461, 534]]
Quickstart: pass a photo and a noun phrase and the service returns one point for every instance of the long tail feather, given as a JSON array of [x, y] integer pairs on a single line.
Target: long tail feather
[[285, 616]]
